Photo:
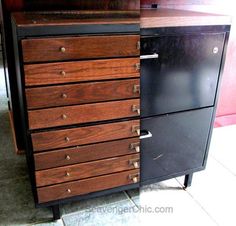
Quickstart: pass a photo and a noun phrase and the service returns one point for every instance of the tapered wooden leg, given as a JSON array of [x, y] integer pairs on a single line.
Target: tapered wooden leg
[[188, 180], [56, 212]]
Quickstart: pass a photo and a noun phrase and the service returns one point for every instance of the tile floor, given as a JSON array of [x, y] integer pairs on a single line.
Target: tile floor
[[210, 200]]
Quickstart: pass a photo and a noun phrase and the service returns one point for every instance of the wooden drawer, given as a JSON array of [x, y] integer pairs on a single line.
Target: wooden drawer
[[85, 135], [85, 186], [86, 170], [78, 71], [79, 154], [83, 113], [72, 48], [62, 95]]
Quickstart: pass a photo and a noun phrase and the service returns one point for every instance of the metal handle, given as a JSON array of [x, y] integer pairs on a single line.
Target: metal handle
[[148, 135], [152, 56]]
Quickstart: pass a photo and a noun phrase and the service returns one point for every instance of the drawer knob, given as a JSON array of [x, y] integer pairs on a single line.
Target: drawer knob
[[136, 129], [67, 157], [63, 95], [137, 66], [135, 146], [68, 190], [67, 139], [64, 116], [135, 179], [138, 45], [62, 49], [67, 174], [136, 89], [63, 73], [135, 108], [215, 50]]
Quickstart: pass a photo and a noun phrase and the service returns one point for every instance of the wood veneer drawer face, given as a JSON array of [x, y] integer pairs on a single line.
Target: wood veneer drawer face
[[85, 135], [79, 154], [86, 170], [82, 93], [85, 186], [70, 115], [79, 71], [72, 48]]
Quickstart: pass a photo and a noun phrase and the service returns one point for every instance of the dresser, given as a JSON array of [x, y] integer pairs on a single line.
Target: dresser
[[96, 119], [79, 92]]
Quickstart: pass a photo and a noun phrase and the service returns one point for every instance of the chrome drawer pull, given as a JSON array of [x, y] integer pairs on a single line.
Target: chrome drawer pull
[[135, 146], [63, 73], [67, 139], [148, 135], [134, 178], [152, 56], [136, 89], [67, 157], [135, 163], [67, 174], [136, 129], [137, 66], [63, 95], [68, 190], [64, 116], [135, 108], [138, 45]]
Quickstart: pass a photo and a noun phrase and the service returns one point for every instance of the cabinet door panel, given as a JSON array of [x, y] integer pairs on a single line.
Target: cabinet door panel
[[184, 76], [178, 143]]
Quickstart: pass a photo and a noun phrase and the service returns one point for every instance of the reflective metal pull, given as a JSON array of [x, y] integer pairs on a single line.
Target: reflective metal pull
[[67, 139], [152, 56], [64, 116], [135, 163], [63, 73], [135, 146], [147, 135], [134, 178], [136, 89], [138, 45], [68, 190], [137, 66], [136, 108], [63, 95], [136, 129], [67, 157]]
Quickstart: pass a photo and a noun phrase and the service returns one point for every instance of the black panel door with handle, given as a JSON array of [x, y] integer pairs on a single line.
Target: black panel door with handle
[[179, 72], [178, 143]]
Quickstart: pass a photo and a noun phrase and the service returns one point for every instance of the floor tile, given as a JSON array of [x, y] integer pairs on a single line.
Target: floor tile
[[120, 213], [55, 223], [214, 189], [170, 206], [95, 202]]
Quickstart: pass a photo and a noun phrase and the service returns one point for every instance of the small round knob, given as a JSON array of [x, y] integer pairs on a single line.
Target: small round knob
[[63, 73], [64, 116], [67, 174], [135, 179], [137, 149], [67, 157], [63, 49], [215, 50], [63, 95], [67, 139], [68, 190]]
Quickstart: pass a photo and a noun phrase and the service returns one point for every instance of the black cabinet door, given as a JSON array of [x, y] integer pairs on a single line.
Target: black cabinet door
[[185, 74], [178, 143]]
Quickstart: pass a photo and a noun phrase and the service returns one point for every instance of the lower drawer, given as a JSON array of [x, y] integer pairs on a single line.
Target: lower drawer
[[79, 154], [85, 135], [86, 170], [81, 187]]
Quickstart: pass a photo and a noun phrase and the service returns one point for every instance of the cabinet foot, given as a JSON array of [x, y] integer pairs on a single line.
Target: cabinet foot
[[188, 180], [56, 212]]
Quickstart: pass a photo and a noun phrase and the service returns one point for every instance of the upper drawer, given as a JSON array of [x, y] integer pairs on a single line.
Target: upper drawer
[[52, 96], [72, 48], [85, 135], [85, 113], [78, 71]]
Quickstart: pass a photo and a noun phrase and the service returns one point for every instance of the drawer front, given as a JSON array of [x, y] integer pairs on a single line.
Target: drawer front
[[78, 71], [72, 48], [85, 186], [85, 135], [82, 93], [79, 154], [83, 113], [86, 170]]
